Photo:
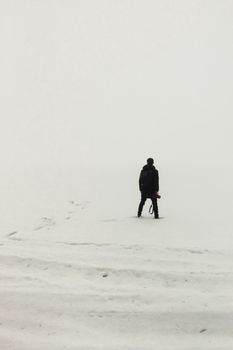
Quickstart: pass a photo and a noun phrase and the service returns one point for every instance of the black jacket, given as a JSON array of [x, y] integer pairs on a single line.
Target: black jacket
[[149, 180]]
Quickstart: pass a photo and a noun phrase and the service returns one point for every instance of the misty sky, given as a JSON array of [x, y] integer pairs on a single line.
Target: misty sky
[[116, 80]]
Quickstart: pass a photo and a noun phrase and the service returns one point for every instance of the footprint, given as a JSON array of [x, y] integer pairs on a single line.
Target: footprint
[[82, 204], [11, 236], [12, 233], [45, 222]]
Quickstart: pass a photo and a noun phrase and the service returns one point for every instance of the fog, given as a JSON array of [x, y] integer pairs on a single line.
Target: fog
[[89, 90], [116, 81]]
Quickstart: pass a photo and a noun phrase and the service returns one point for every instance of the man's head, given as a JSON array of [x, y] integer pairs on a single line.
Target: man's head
[[150, 161]]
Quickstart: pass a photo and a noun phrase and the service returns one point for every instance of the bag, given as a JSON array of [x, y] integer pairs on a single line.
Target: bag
[[151, 210]]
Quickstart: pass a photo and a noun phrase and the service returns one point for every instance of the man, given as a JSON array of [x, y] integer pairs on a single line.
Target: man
[[149, 186]]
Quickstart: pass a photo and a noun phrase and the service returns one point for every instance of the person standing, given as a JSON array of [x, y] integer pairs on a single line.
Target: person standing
[[149, 186]]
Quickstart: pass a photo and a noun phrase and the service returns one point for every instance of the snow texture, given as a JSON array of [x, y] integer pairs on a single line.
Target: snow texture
[[84, 273]]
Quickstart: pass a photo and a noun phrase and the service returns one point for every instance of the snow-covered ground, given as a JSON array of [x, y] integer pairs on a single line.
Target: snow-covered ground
[[89, 89], [80, 271]]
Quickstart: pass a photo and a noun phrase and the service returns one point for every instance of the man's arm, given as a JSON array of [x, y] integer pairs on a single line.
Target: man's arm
[[157, 180], [140, 181]]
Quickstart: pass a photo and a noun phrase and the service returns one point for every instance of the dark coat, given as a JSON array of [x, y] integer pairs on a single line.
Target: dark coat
[[149, 181]]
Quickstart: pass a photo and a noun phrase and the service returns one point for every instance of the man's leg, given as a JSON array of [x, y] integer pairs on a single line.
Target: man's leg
[[143, 199], [155, 207]]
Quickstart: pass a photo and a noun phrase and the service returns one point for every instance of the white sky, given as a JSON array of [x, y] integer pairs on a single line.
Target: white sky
[[97, 81]]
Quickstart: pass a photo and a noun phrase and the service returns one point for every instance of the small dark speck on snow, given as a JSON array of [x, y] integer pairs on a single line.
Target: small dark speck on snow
[[203, 330]]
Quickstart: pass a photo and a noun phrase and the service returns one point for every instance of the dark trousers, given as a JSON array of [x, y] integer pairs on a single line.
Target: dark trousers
[[144, 197]]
